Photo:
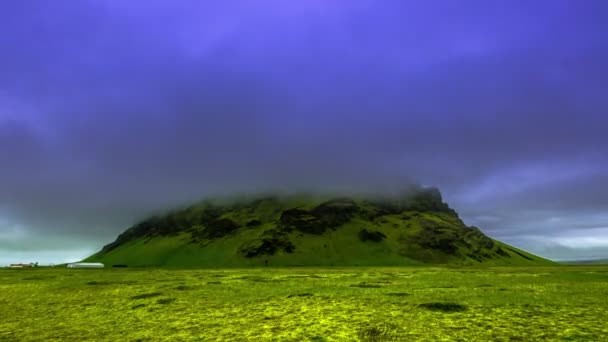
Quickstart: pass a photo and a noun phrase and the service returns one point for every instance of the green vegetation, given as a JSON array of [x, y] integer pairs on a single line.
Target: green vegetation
[[413, 229], [556, 303]]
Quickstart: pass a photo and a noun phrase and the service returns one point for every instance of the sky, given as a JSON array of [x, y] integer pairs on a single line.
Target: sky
[[111, 110]]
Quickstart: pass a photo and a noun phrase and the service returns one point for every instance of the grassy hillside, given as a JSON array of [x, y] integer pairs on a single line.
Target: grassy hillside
[[413, 229]]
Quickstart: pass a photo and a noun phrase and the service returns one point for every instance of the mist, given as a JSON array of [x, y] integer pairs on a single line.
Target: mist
[[112, 111]]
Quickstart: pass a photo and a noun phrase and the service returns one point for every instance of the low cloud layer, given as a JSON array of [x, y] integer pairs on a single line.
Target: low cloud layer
[[112, 110]]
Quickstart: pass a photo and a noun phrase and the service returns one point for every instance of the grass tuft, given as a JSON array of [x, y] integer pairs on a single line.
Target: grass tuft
[[376, 333]]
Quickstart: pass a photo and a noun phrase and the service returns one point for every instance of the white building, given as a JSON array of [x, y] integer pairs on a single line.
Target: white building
[[85, 265]]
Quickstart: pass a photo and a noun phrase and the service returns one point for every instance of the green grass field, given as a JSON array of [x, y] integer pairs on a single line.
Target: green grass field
[[562, 303]]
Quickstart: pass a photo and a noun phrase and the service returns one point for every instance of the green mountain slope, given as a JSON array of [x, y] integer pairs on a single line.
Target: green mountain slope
[[413, 229]]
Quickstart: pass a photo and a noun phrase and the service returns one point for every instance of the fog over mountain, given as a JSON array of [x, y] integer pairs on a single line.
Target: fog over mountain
[[110, 111]]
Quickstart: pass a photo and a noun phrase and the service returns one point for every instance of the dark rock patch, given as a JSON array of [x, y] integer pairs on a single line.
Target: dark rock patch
[[318, 220], [40, 278], [426, 199], [366, 285], [374, 236], [502, 252], [134, 307], [335, 212], [267, 246], [447, 307], [254, 223], [104, 283], [147, 295], [219, 228], [300, 295], [438, 237], [303, 221], [475, 257], [99, 283], [183, 288], [398, 294], [420, 200]]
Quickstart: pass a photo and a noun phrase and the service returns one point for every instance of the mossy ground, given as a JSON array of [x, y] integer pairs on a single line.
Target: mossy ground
[[568, 303]]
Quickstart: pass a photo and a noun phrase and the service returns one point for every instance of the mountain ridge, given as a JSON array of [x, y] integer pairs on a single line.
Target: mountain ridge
[[415, 227]]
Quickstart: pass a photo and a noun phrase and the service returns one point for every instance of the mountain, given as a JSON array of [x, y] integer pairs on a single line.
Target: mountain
[[585, 262], [414, 228]]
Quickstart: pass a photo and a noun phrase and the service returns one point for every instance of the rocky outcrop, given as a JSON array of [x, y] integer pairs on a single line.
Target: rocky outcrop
[[374, 236], [271, 242]]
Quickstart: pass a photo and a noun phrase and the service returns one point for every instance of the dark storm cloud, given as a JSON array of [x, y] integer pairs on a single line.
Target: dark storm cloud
[[111, 110]]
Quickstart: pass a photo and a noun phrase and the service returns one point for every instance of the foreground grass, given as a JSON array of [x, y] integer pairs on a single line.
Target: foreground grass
[[567, 303]]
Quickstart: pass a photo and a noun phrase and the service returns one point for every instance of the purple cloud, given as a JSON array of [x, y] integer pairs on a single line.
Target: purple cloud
[[111, 110]]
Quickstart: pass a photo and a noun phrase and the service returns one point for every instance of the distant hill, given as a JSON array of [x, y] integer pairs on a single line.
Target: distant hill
[[585, 262], [413, 229]]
